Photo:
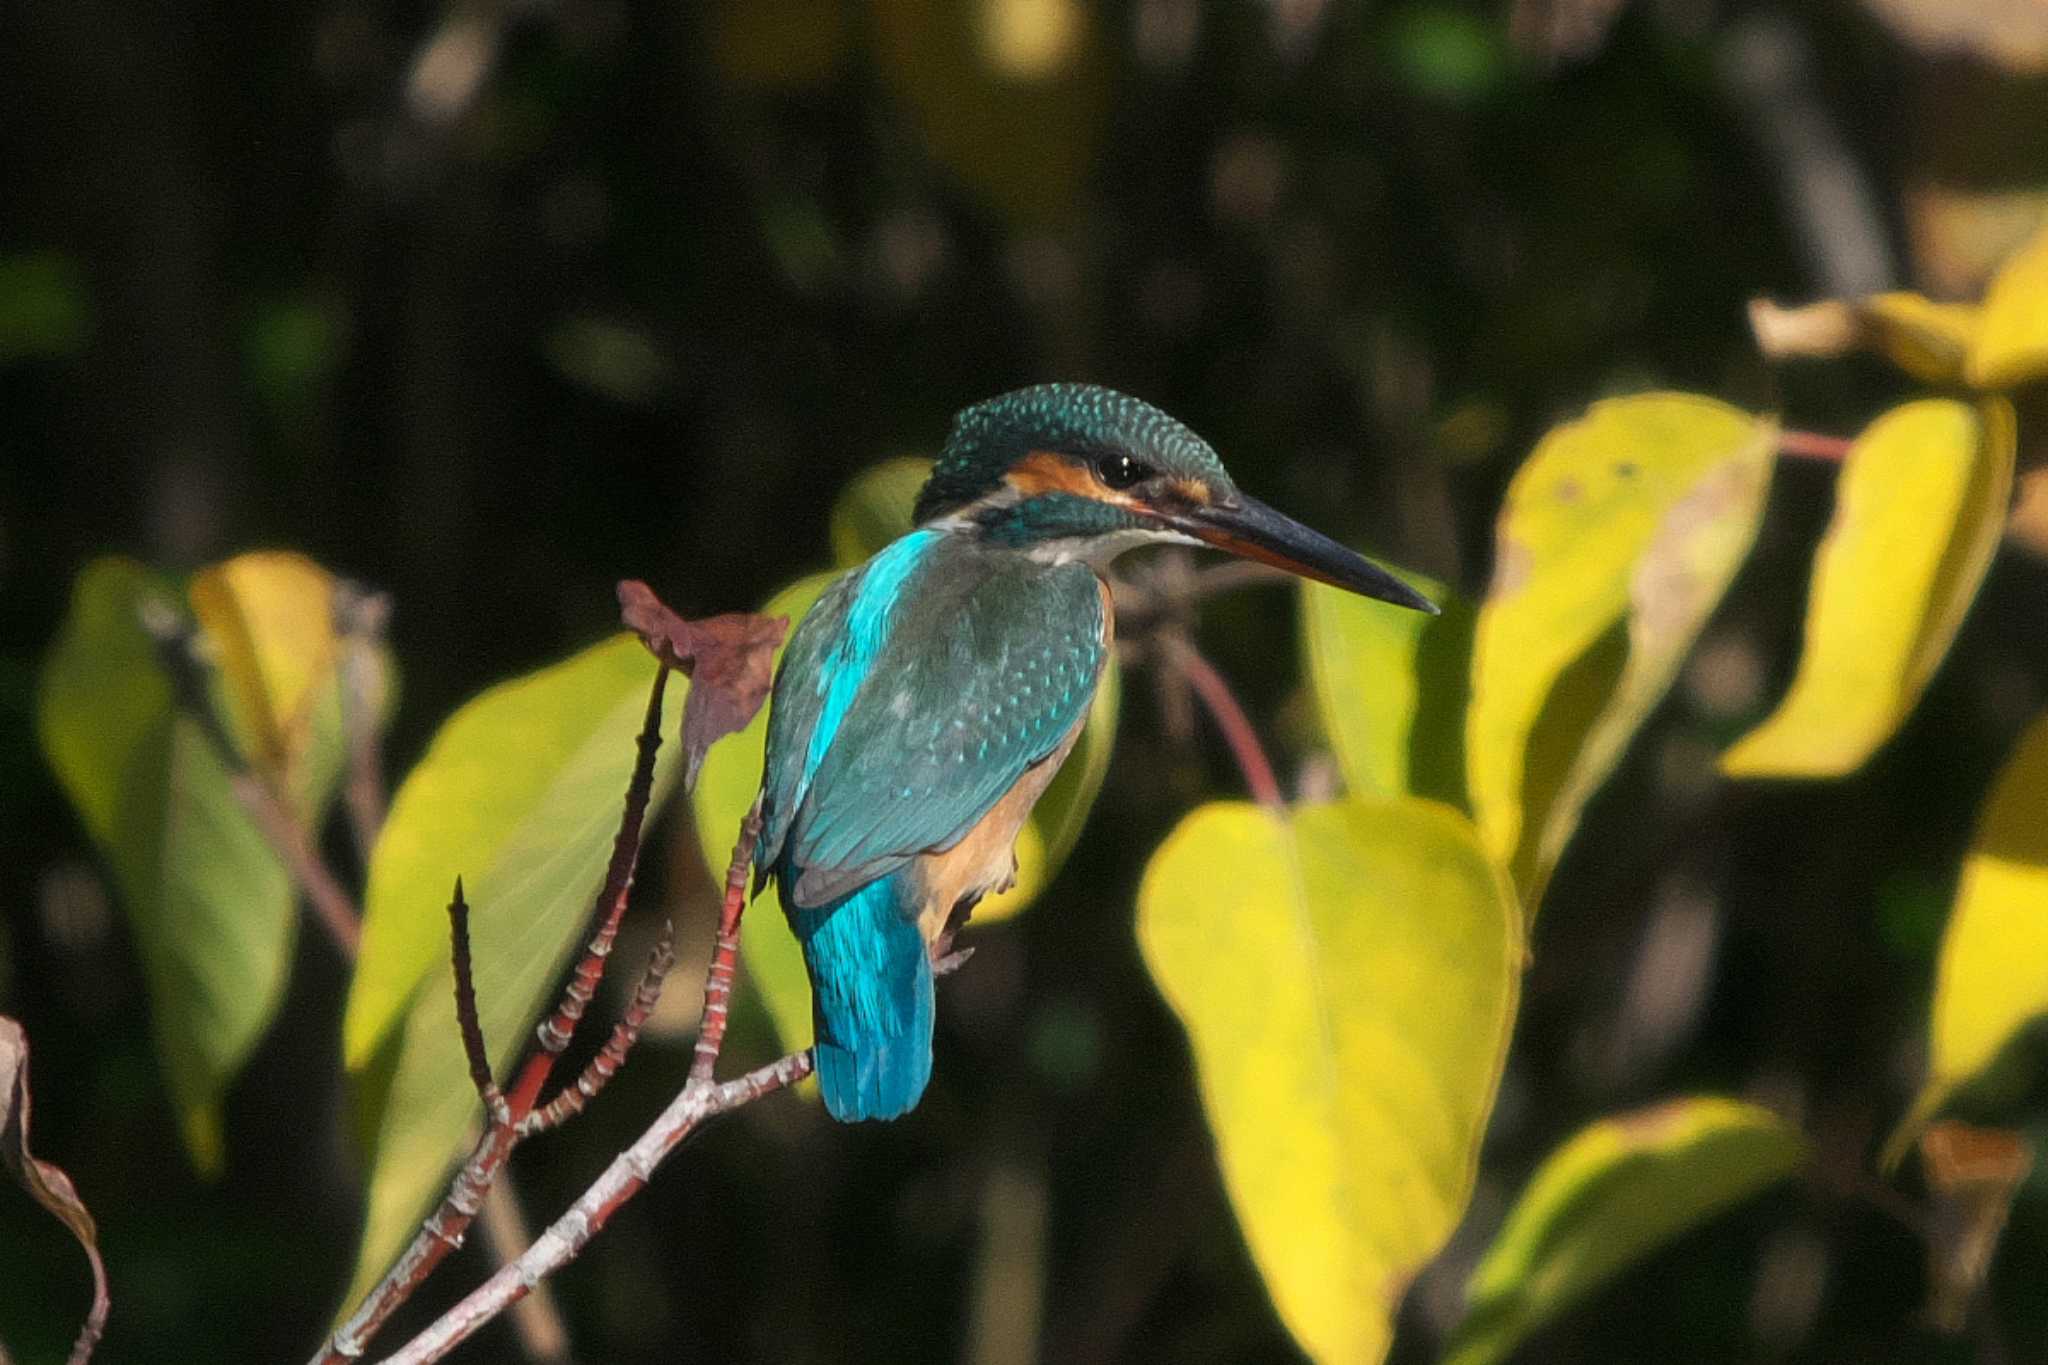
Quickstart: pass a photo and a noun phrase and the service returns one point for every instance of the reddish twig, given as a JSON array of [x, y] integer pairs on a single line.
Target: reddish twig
[[445, 1228], [625, 1177], [725, 949], [625, 1033], [1814, 445], [555, 1031], [466, 1020], [1230, 718], [332, 906], [701, 1098]]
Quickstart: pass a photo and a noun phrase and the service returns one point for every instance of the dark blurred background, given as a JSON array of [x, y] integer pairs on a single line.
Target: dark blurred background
[[491, 304]]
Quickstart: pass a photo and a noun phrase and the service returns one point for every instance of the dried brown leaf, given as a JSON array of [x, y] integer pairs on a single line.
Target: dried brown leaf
[[1972, 1174], [46, 1184], [729, 660]]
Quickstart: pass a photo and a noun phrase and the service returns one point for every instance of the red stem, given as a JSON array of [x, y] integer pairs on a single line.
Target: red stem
[[725, 950], [1814, 445], [1230, 718]]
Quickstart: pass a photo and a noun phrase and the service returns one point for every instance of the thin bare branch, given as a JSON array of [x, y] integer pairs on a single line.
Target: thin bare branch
[[625, 1177], [571, 1101], [725, 949], [466, 1020], [1230, 718], [556, 1030]]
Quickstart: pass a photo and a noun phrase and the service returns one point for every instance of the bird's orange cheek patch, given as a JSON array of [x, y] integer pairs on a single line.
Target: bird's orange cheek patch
[[1042, 471]]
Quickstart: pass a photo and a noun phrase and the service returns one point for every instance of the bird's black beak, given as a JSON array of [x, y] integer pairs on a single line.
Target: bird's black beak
[[1247, 527]]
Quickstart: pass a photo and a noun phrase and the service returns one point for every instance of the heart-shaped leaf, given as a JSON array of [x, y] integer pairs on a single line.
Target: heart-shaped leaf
[[1919, 506], [1347, 974]]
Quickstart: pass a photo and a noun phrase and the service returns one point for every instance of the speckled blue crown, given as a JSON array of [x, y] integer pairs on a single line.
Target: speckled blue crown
[[1076, 419]]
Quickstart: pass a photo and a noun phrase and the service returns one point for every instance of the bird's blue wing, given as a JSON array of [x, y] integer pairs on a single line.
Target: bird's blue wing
[[977, 681]]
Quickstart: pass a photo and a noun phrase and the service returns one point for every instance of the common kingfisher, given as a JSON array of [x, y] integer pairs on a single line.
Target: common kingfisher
[[930, 694]]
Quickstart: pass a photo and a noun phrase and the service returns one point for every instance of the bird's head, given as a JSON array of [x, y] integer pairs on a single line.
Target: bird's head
[[1082, 472]]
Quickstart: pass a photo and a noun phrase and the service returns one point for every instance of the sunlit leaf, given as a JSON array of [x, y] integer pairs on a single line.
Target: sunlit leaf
[[269, 622], [1619, 536], [1615, 1192], [1919, 506], [1992, 977], [1392, 688], [520, 794], [876, 507], [210, 903], [2012, 344], [45, 1182], [1347, 975], [1011, 95]]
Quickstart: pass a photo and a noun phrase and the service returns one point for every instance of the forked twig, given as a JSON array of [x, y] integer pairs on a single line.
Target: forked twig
[[445, 1228]]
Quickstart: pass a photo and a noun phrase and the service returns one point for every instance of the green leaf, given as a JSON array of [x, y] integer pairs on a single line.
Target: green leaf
[[2012, 341], [210, 904], [876, 508], [1392, 689], [1619, 536], [1347, 975], [1919, 506], [1992, 977], [1618, 1190], [520, 793]]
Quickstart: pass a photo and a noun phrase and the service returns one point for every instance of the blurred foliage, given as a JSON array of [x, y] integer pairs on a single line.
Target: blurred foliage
[[1608, 1196], [491, 308]]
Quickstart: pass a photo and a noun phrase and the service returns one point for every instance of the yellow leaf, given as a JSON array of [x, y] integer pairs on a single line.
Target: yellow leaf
[[1347, 975], [1919, 505], [1929, 341], [1619, 536], [2012, 344], [1992, 979], [1615, 1192], [269, 618], [1392, 688]]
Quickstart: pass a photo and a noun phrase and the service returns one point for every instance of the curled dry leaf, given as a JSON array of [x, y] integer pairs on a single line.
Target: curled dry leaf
[[729, 660], [46, 1184], [1972, 1174]]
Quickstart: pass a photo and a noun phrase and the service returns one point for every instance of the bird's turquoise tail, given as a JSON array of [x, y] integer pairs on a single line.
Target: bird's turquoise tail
[[871, 1003]]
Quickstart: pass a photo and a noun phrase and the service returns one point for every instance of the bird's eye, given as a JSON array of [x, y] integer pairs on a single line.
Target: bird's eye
[[1121, 471]]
